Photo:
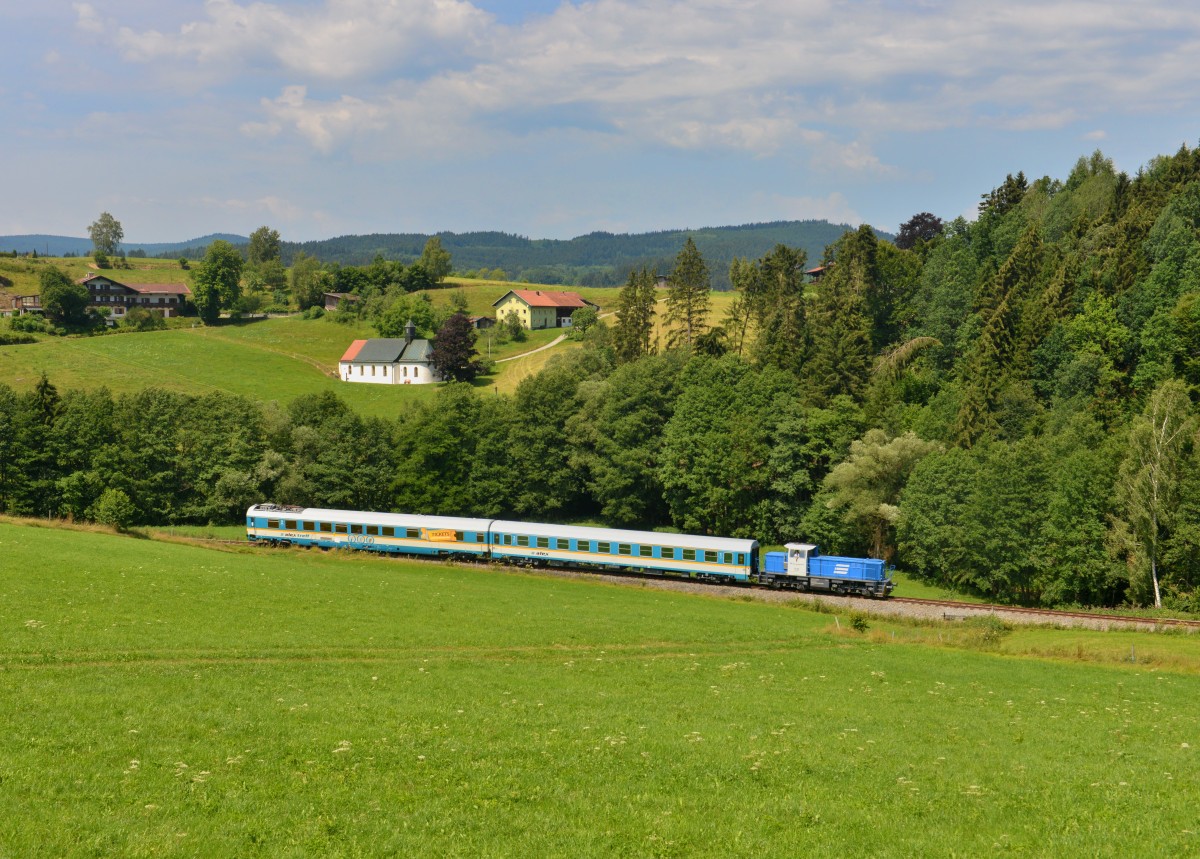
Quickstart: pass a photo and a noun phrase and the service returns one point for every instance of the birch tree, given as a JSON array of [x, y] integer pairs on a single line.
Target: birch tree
[[1149, 484]]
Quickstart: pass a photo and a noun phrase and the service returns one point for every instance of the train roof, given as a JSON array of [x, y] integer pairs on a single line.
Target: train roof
[[616, 535], [359, 517]]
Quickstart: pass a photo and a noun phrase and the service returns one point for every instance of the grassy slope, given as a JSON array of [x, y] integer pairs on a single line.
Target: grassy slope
[[167, 699]]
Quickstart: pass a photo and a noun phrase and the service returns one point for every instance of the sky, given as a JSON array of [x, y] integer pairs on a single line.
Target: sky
[[547, 119]]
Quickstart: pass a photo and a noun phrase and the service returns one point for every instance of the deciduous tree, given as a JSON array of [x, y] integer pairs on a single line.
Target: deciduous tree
[[216, 281], [454, 355], [106, 234]]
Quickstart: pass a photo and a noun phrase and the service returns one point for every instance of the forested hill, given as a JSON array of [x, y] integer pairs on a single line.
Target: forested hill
[[57, 246], [597, 259]]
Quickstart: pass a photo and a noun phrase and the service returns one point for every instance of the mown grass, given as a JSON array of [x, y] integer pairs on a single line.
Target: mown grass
[[170, 699]]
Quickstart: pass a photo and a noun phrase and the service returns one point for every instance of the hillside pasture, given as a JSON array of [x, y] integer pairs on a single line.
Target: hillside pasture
[[167, 699]]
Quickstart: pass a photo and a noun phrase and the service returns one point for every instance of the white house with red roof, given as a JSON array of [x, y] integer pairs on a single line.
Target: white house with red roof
[[537, 308], [103, 291], [389, 360]]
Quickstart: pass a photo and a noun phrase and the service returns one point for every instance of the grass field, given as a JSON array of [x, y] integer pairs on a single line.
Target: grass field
[[166, 699]]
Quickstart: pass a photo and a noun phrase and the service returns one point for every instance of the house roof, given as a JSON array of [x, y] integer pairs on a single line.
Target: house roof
[[142, 288], [159, 288], [538, 298], [348, 296], [389, 350]]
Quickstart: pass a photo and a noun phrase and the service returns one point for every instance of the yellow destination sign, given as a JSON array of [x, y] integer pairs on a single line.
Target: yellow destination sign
[[439, 536]]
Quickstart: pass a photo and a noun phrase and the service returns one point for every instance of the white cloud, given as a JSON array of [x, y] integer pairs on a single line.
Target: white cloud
[[87, 18], [757, 77], [1097, 134]]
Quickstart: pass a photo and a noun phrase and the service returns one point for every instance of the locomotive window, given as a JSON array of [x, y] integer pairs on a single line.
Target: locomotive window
[[624, 549], [388, 531], [326, 527], [373, 530], [290, 525], [604, 548], [522, 541], [689, 554], [646, 551], [668, 552], [412, 533], [339, 529], [543, 542], [309, 526], [272, 523]]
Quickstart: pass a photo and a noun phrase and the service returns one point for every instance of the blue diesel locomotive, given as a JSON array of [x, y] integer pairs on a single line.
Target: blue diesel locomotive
[[714, 559]]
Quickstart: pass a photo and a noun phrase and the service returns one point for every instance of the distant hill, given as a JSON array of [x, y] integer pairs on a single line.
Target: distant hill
[[57, 246], [596, 259]]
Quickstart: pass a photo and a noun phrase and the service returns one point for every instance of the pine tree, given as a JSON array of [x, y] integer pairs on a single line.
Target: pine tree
[[841, 357], [635, 317], [687, 297]]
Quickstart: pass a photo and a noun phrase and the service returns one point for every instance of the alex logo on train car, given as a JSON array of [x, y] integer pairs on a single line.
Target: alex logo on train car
[[364, 539], [440, 535]]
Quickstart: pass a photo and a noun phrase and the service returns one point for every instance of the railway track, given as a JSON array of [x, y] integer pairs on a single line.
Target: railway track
[[1049, 614], [950, 610]]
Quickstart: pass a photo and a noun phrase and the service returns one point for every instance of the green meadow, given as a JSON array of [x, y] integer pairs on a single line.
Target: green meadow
[[165, 698]]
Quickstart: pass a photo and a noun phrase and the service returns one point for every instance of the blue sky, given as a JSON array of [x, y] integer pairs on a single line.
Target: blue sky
[[326, 117]]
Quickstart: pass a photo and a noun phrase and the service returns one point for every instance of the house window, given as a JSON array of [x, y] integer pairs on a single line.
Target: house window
[[372, 369], [404, 373], [385, 372]]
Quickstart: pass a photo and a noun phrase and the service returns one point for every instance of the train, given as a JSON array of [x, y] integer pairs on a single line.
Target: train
[[723, 560]]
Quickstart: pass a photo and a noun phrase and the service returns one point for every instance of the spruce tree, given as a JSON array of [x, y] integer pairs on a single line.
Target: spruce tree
[[635, 317], [687, 297]]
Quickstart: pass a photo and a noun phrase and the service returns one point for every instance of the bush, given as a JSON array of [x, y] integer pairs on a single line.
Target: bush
[[30, 322], [143, 319], [114, 509], [7, 339], [314, 312]]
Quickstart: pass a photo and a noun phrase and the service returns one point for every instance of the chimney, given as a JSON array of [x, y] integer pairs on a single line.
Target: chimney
[[410, 331]]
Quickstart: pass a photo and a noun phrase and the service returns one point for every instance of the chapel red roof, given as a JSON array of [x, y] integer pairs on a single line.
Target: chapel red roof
[[354, 349]]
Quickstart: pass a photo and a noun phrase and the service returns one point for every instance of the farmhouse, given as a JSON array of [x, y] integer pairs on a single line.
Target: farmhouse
[[334, 300], [103, 291], [19, 305], [538, 309], [389, 360]]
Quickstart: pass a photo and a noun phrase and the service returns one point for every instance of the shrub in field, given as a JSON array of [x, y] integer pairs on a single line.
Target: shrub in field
[[114, 509]]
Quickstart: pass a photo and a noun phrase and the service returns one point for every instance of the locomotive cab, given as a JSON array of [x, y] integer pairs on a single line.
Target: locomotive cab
[[797, 558]]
